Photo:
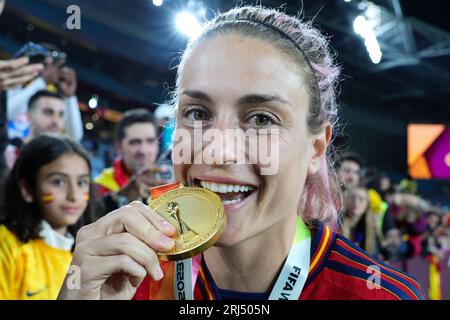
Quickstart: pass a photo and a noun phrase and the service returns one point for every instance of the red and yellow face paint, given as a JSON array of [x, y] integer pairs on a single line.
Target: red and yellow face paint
[[47, 197], [50, 197]]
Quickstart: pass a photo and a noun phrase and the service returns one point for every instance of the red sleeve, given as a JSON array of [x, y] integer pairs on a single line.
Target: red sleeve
[[143, 292]]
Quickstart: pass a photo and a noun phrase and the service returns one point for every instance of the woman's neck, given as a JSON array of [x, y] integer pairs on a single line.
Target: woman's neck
[[253, 264], [61, 230]]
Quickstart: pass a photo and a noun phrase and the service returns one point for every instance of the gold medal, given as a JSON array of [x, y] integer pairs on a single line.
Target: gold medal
[[197, 214]]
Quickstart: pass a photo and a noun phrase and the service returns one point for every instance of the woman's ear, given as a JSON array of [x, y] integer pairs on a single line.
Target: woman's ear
[[24, 190], [319, 147]]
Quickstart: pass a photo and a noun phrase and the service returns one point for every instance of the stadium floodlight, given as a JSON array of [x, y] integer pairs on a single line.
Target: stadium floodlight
[[93, 102], [158, 3], [188, 24], [364, 28]]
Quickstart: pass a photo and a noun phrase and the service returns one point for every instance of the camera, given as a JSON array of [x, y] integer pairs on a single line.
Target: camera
[[37, 53]]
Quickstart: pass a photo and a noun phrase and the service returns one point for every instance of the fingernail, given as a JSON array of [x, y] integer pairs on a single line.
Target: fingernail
[[168, 226], [167, 241]]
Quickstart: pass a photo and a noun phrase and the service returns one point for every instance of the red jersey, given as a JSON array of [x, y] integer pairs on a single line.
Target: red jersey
[[339, 270]]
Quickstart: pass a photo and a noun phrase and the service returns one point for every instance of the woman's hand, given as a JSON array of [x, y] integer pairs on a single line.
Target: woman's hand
[[67, 84], [115, 253]]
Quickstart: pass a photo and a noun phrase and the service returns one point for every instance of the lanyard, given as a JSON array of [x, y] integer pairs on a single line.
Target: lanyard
[[289, 284]]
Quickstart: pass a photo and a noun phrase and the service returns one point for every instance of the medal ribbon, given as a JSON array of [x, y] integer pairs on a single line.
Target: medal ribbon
[[289, 284]]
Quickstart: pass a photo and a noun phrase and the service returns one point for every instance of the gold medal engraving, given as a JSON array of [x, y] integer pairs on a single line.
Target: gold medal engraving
[[197, 214], [186, 232]]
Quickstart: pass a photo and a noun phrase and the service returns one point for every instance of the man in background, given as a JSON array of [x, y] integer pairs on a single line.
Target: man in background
[[349, 170], [135, 170], [45, 113]]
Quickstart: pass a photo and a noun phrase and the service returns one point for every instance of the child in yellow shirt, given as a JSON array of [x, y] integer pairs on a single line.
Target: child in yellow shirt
[[46, 199]]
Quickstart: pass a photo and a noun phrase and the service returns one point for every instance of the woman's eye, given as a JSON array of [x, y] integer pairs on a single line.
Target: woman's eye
[[197, 115], [83, 183], [58, 183], [261, 120]]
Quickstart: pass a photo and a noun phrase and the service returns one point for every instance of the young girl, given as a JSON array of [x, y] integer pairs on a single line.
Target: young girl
[[262, 71], [47, 197]]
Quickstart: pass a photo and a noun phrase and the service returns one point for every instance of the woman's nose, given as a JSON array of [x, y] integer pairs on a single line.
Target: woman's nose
[[224, 146], [72, 192]]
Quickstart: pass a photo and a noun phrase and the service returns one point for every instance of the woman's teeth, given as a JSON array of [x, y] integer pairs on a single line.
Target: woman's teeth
[[228, 202], [229, 193], [225, 188]]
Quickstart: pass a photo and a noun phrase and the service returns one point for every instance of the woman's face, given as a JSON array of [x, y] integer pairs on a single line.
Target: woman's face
[[240, 85], [62, 190], [357, 202]]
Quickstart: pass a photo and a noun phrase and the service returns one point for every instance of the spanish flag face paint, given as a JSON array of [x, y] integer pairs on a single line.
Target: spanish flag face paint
[[47, 197], [86, 196]]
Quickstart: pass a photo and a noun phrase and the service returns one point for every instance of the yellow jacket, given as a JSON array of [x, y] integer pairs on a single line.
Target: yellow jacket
[[30, 271]]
